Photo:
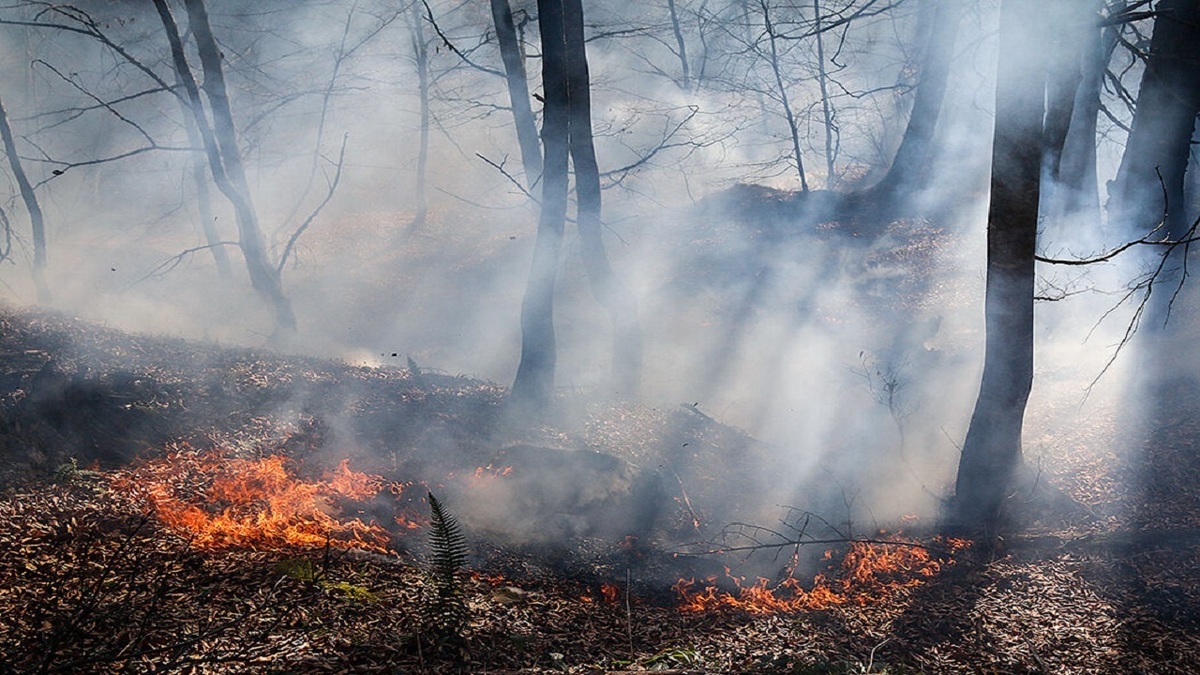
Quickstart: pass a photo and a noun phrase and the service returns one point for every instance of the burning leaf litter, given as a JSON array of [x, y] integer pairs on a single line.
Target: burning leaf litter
[[870, 572], [217, 501]]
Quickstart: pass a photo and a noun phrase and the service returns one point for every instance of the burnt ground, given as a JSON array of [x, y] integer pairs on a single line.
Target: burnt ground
[[1103, 577]]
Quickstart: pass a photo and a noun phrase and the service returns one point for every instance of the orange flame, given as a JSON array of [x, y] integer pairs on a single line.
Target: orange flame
[[869, 572], [222, 502]]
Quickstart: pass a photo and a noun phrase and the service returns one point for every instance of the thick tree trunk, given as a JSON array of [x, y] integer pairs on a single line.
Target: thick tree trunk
[[224, 156], [992, 450], [533, 385], [1163, 125], [518, 91], [909, 172], [608, 290], [37, 224]]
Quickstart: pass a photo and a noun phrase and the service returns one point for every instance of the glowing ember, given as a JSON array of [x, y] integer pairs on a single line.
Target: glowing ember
[[489, 470], [869, 572], [223, 502]]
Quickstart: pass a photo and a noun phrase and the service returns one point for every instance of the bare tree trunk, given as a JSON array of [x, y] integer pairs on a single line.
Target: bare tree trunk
[[909, 172], [224, 158], [37, 225], [783, 96], [421, 58], [208, 223], [533, 385], [608, 290], [1167, 105], [680, 46], [1067, 53], [1077, 171], [518, 91], [826, 107], [991, 453]]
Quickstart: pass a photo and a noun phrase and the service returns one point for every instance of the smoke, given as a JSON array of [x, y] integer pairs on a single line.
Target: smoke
[[853, 353]]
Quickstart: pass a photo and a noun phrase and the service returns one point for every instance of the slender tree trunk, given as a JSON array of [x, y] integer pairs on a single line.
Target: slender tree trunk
[[208, 223], [685, 79], [1167, 105], [518, 91], [263, 275], [37, 223], [224, 158], [533, 385], [783, 95], [608, 290], [1077, 171], [1066, 52], [909, 172], [421, 58], [992, 450], [826, 106]]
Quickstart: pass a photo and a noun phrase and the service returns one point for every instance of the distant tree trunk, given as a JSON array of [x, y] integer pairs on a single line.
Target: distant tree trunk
[[1077, 186], [1068, 52], [1163, 124], [37, 223], [533, 385], [421, 58], [992, 450], [208, 223], [826, 104], [685, 79], [776, 69], [909, 173], [608, 290], [518, 91], [224, 157]]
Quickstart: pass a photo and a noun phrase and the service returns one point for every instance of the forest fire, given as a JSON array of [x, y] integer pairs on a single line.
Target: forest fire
[[869, 572], [224, 502]]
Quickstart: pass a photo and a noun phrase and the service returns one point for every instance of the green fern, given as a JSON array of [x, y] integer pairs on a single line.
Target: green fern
[[447, 613]]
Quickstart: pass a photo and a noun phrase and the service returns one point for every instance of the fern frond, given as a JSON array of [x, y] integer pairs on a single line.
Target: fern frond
[[446, 541], [446, 612]]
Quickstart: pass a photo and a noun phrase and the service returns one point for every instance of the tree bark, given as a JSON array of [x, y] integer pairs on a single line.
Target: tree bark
[[992, 450], [533, 386], [1163, 124], [37, 223], [518, 91], [606, 287]]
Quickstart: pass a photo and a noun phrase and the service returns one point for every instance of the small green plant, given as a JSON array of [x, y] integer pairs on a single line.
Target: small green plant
[[669, 659], [308, 572], [71, 475], [446, 610]]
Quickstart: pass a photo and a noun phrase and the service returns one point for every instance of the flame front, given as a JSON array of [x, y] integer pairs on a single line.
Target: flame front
[[222, 502], [869, 572]]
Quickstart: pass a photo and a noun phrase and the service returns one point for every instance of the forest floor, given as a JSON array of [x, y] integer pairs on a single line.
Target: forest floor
[[101, 433]]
